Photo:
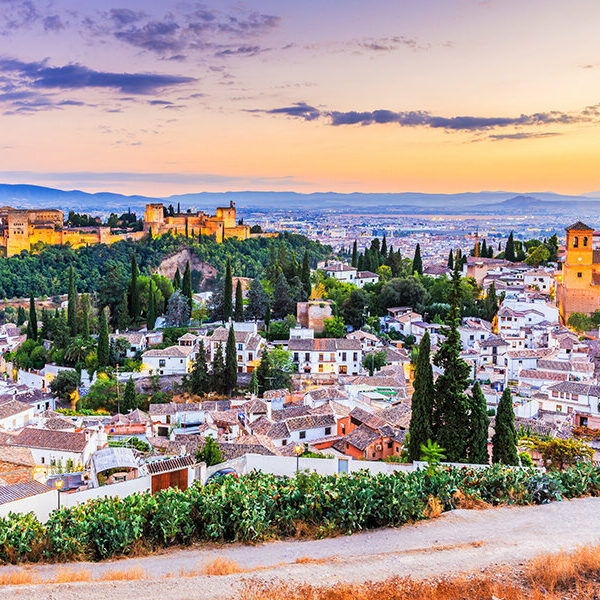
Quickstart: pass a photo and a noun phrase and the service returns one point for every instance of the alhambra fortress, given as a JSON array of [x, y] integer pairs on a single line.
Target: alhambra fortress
[[22, 229]]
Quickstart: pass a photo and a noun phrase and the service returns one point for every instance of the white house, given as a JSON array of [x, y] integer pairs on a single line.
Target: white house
[[174, 360], [540, 280], [327, 356], [571, 396], [247, 342], [15, 414], [364, 278], [341, 272], [136, 341]]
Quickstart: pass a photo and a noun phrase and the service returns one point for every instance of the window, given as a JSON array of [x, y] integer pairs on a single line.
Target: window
[[580, 274], [355, 421], [343, 369], [307, 356], [343, 426], [284, 442], [355, 356], [344, 356], [390, 444], [575, 242], [327, 430], [320, 367], [320, 358], [240, 347], [162, 362], [585, 240], [558, 408], [295, 357], [302, 435]]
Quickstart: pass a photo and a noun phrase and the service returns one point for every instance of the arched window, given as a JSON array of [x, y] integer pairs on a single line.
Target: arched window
[[576, 242], [585, 241]]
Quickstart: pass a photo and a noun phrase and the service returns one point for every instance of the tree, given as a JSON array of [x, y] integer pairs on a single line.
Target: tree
[[334, 328], [21, 316], [231, 365], [210, 453], [417, 263], [197, 384], [178, 310], [151, 314], [177, 280], [32, 326], [420, 429], [130, 397], [186, 284], [552, 245], [504, 440], [121, 320], [257, 300], [227, 293], [509, 250], [539, 256], [64, 384], [263, 372], [134, 299], [354, 307], [305, 277], [450, 260], [239, 303], [490, 303], [267, 317], [450, 414], [103, 341], [355, 254], [580, 322], [85, 316], [218, 374], [374, 361], [408, 291], [557, 453], [479, 423], [72, 304], [282, 300]]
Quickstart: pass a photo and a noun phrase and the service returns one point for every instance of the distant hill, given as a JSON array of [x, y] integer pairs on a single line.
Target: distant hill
[[495, 202]]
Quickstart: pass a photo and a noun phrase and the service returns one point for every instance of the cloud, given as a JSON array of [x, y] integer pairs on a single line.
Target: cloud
[[76, 76], [125, 16], [53, 23], [523, 135], [422, 118], [156, 36], [241, 50], [17, 14]]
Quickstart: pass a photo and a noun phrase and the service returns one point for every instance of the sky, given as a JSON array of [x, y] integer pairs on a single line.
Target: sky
[[158, 98]]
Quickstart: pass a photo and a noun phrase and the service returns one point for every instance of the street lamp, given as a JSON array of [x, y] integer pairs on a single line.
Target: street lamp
[[299, 450], [58, 484]]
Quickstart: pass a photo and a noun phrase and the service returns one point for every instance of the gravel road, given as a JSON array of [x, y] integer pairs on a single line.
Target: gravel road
[[458, 541]]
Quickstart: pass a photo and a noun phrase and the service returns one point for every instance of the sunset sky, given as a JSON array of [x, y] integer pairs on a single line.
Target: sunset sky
[[316, 95]]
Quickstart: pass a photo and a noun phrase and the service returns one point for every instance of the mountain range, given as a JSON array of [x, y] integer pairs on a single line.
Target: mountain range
[[485, 202]]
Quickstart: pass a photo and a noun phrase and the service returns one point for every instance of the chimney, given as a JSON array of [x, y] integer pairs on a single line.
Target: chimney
[[269, 409]]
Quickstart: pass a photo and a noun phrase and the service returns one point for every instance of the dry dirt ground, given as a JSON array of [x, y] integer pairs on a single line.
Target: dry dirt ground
[[458, 541]]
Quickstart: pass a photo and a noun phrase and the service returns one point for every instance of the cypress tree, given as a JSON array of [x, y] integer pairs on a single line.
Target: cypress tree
[[231, 365], [504, 440], [218, 371], [383, 250], [263, 372], [422, 401], [239, 303], [21, 316], [509, 250], [178, 208], [450, 415], [360, 265], [85, 320], [282, 258], [305, 276], [186, 283], [186, 228], [32, 326], [479, 423], [272, 267], [72, 304], [198, 381], [283, 304], [417, 263], [355, 254], [451, 260], [177, 280], [129, 397], [134, 299], [121, 319], [103, 343], [151, 315], [483, 251], [227, 293]]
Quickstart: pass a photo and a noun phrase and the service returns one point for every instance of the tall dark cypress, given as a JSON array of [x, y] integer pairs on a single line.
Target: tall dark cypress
[[509, 250], [451, 407], [32, 326], [72, 304], [227, 293], [417, 263], [422, 401], [383, 250], [134, 298], [198, 381], [151, 314], [450, 260], [504, 440], [239, 303], [103, 342], [479, 423], [355, 254], [85, 319], [186, 283], [231, 365], [305, 276], [218, 371], [177, 280], [483, 252]]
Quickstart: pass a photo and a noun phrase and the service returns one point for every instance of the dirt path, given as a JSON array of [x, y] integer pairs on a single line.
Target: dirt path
[[458, 541]]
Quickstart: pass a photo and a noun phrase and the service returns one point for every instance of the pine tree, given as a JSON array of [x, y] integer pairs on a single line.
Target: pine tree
[[282, 299], [450, 260], [134, 298], [177, 280], [218, 371], [479, 423], [32, 326], [305, 277], [450, 415], [103, 343], [383, 250], [257, 300], [239, 303], [417, 263], [129, 397], [509, 250], [355, 254], [422, 401], [72, 304], [231, 365], [504, 440], [151, 315], [186, 283], [198, 381], [227, 293]]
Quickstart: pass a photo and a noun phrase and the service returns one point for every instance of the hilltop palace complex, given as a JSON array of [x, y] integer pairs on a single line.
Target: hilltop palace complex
[[22, 229]]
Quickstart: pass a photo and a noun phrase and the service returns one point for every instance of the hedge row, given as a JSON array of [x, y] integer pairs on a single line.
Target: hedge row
[[259, 507]]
